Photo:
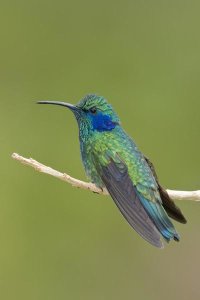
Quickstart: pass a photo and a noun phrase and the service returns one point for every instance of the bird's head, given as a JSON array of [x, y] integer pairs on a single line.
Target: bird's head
[[93, 113]]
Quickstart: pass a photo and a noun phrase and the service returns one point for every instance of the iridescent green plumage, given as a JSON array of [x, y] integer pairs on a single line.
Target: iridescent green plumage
[[112, 160]]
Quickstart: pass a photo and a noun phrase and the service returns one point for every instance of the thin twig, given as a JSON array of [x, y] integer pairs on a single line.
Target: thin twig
[[175, 195], [62, 176]]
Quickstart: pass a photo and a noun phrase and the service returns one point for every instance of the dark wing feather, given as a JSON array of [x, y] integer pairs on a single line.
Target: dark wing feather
[[172, 210], [119, 185]]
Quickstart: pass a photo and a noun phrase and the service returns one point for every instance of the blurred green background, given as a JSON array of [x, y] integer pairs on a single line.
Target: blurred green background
[[57, 242]]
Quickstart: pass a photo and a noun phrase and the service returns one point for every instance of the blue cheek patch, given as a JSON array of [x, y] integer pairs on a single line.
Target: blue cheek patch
[[101, 122]]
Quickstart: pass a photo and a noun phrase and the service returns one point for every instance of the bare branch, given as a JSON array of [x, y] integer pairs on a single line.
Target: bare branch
[[175, 195], [62, 176]]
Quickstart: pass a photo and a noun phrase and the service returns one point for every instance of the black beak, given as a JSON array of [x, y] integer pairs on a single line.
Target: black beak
[[70, 106]]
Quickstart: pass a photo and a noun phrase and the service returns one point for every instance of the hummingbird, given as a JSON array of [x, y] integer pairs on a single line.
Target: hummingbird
[[113, 161]]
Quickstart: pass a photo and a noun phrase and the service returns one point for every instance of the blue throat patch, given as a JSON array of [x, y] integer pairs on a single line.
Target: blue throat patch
[[101, 122]]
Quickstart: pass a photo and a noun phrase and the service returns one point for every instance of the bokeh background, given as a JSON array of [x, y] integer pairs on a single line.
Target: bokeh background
[[58, 242]]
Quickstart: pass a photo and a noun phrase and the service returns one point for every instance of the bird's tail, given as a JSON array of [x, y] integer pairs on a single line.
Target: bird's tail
[[160, 219], [172, 210]]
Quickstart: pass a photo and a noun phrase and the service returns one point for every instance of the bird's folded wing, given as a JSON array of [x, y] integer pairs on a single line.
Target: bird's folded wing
[[119, 185]]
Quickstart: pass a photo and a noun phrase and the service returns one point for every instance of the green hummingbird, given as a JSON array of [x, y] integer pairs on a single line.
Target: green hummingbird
[[111, 159]]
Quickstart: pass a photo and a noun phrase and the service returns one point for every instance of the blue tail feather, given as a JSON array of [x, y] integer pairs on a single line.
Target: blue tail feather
[[160, 219]]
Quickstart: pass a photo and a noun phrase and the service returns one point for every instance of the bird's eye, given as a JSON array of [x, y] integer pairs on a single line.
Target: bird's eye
[[93, 110]]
